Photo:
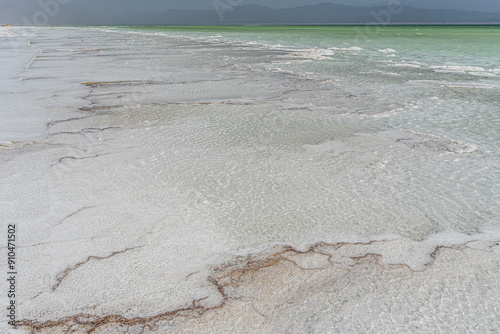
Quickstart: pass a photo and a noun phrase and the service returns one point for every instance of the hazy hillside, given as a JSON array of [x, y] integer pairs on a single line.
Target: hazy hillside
[[325, 13]]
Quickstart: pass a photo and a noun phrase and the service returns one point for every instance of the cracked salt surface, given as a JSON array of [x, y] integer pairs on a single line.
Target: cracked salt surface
[[209, 194]]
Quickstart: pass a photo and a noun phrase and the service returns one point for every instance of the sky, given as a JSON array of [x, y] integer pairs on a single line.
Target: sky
[[14, 10]]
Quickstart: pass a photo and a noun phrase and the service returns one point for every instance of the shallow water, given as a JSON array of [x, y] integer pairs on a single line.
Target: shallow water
[[161, 161]]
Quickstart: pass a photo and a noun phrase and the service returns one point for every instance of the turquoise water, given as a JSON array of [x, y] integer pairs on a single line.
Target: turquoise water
[[439, 82], [435, 45], [457, 65]]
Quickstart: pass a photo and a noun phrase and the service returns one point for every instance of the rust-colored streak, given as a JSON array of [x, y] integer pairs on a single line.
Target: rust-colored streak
[[224, 278]]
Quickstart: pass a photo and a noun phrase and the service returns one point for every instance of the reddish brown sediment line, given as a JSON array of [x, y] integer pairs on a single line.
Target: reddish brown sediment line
[[88, 323], [64, 274], [91, 323], [75, 212], [61, 160], [93, 83], [52, 123], [85, 130], [224, 278], [94, 109], [22, 143]]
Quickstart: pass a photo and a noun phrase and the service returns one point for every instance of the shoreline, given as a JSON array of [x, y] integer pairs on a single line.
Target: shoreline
[[99, 182]]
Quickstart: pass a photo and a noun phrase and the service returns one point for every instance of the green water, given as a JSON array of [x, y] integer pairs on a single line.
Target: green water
[[434, 45]]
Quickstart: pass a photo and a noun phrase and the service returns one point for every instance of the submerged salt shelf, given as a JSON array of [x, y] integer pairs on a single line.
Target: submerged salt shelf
[[193, 184]]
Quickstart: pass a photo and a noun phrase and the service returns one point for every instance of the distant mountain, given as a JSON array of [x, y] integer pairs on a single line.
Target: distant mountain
[[324, 13], [112, 7], [487, 6]]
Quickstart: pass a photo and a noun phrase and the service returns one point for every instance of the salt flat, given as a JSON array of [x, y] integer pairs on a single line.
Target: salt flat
[[195, 184]]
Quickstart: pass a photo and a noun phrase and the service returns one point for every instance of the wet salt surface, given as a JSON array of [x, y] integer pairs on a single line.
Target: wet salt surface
[[182, 186]]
